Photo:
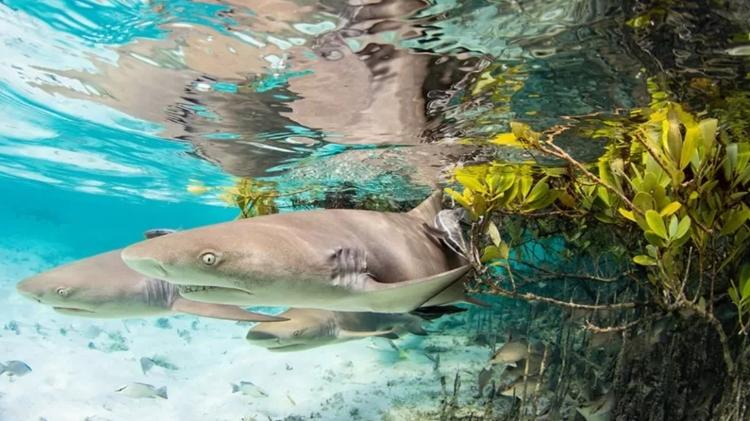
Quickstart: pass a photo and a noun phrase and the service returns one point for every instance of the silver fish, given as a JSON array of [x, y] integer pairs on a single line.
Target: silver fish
[[249, 389], [143, 390], [15, 368]]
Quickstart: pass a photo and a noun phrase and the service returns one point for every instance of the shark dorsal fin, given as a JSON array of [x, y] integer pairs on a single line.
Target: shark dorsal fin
[[427, 210]]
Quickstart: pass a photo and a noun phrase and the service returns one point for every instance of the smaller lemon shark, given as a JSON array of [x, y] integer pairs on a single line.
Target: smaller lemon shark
[[103, 287]]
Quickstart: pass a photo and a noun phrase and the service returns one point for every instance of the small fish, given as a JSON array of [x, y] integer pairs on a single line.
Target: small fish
[[143, 390], [517, 388], [249, 389], [148, 363], [599, 409], [511, 353], [529, 367], [484, 378], [15, 368]]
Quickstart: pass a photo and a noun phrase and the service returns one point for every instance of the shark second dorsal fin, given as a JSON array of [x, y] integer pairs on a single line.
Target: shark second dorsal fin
[[427, 210], [221, 311]]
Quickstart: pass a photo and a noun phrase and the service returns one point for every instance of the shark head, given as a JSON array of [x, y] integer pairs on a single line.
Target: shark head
[[305, 329], [81, 288], [208, 256]]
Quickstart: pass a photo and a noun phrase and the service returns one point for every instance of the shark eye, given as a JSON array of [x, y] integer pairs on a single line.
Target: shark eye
[[298, 332], [63, 292], [208, 258]]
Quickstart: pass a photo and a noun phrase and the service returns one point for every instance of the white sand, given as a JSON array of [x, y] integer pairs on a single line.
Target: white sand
[[71, 381]]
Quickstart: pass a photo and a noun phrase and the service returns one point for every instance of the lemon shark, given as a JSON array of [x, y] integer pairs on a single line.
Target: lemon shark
[[336, 259], [103, 287], [311, 328]]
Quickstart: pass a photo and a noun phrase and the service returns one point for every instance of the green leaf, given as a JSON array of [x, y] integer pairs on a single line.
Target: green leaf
[[643, 201], [683, 227], [491, 253], [735, 219], [540, 189], [744, 283], [644, 260], [494, 234], [709, 127], [670, 209], [734, 295], [603, 194], [654, 239], [656, 224], [673, 227]]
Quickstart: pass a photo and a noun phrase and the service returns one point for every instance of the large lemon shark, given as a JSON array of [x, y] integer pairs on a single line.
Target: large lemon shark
[[336, 259], [103, 287]]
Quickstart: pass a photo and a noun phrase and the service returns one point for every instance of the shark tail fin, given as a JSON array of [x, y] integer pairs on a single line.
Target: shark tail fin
[[162, 392], [429, 208], [235, 388], [221, 311], [2, 369]]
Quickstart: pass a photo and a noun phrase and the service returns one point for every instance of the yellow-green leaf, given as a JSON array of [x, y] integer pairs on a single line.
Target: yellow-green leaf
[[644, 260], [682, 228], [627, 214], [494, 234], [670, 209], [689, 147], [654, 221], [491, 253], [540, 189], [471, 182], [734, 220]]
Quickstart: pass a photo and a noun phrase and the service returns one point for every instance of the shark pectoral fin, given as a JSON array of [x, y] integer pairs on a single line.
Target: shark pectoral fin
[[221, 311], [355, 334], [403, 297]]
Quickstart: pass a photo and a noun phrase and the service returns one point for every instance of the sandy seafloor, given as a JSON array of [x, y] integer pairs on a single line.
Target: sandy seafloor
[[77, 367]]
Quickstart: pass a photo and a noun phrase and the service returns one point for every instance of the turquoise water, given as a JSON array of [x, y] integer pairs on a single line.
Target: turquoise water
[[117, 117]]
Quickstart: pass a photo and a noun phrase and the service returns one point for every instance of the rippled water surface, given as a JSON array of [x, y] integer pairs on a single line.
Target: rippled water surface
[[117, 116]]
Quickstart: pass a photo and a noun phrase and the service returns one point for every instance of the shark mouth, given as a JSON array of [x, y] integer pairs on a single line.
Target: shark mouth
[[72, 310], [218, 295]]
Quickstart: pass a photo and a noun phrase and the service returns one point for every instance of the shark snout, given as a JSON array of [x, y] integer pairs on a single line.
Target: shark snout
[[26, 288], [143, 264]]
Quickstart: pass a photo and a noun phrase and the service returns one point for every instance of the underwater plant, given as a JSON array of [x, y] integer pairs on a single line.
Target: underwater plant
[[670, 184]]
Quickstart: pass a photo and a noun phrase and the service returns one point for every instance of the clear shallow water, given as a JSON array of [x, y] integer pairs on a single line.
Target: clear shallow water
[[110, 110]]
